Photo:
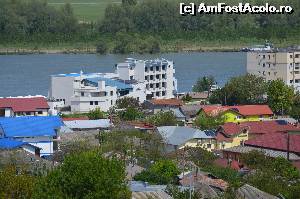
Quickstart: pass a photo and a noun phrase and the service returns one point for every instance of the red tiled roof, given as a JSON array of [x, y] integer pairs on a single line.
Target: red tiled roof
[[74, 118], [26, 104], [221, 138], [276, 141], [246, 110], [259, 127], [169, 102]]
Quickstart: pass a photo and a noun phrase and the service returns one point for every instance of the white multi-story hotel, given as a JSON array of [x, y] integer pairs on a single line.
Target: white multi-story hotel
[[158, 76], [133, 78], [279, 64]]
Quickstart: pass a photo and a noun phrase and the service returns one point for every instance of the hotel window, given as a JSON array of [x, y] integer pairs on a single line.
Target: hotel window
[[163, 76], [264, 64], [157, 68], [269, 56], [91, 102], [111, 102], [264, 56], [131, 77], [163, 67], [291, 81], [111, 93], [151, 85], [157, 94], [163, 93], [297, 55], [151, 68], [291, 56], [40, 112], [296, 72], [157, 85], [146, 69], [82, 94], [296, 80], [157, 76], [151, 77], [96, 102], [269, 73]]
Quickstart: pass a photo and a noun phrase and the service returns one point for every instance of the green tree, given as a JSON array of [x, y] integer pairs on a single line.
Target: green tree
[[162, 118], [85, 175], [102, 47], [273, 175], [96, 114], [204, 84], [161, 172], [295, 110], [280, 96], [246, 89], [126, 102], [16, 183], [206, 122], [130, 114]]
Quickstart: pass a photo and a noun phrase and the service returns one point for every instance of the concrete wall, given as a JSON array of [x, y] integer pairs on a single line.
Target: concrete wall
[[62, 88]]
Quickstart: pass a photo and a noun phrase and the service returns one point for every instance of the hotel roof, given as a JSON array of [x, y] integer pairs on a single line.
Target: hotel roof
[[24, 104], [29, 126], [121, 85]]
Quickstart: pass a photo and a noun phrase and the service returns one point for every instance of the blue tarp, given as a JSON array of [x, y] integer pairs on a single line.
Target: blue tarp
[[29, 126], [6, 143]]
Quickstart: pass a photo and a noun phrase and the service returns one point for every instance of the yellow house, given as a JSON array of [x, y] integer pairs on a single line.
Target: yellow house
[[236, 114], [178, 137], [231, 135]]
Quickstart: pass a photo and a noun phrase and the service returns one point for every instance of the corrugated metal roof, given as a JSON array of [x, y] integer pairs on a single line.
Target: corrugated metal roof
[[177, 135], [88, 124], [30, 126], [249, 192], [6, 143], [110, 82], [267, 152], [139, 186]]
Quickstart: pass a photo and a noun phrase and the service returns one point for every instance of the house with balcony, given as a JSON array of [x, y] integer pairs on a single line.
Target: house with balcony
[[158, 76], [23, 106], [85, 92]]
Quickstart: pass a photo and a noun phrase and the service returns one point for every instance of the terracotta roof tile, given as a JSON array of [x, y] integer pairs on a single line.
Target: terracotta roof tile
[[26, 104], [259, 127], [276, 141], [168, 102], [246, 110]]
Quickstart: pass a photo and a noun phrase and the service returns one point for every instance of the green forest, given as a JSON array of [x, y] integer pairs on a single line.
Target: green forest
[[147, 26]]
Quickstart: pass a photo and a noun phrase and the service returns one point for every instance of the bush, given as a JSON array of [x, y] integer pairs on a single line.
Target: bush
[[161, 172], [96, 114], [102, 47], [163, 118]]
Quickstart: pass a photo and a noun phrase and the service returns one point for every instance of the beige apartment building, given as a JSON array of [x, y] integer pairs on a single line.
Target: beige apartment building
[[271, 65]]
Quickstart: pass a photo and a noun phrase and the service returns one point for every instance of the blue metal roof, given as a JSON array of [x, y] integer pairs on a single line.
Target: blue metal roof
[[29, 126], [110, 82], [6, 143]]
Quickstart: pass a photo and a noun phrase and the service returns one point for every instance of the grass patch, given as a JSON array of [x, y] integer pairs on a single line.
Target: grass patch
[[86, 10]]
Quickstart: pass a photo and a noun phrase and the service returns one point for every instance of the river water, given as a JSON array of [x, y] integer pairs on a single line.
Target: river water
[[30, 74]]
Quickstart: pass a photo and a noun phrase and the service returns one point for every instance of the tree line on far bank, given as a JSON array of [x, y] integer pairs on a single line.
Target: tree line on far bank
[[140, 26]]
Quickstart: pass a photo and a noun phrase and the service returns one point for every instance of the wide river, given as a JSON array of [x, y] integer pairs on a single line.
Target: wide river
[[30, 74]]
